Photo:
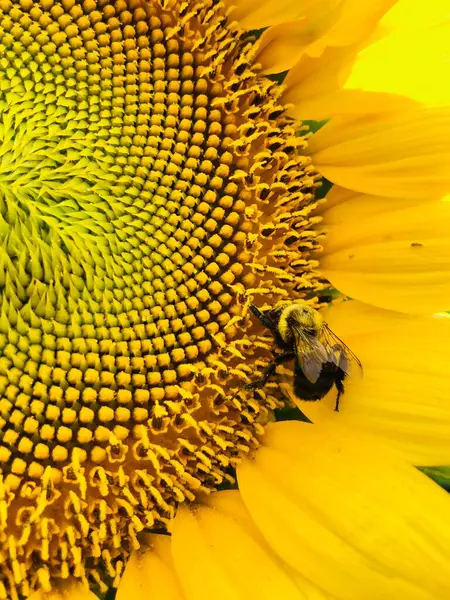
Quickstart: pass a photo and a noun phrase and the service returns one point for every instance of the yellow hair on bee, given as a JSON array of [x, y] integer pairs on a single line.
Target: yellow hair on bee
[[308, 318]]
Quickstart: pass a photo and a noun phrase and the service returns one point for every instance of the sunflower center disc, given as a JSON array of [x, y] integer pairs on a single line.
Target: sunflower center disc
[[149, 181]]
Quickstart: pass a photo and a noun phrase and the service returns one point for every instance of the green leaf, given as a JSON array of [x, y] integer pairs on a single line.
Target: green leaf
[[315, 125], [290, 413], [441, 475]]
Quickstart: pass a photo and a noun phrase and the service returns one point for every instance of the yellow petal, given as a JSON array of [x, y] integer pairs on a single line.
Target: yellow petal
[[342, 205], [397, 259], [395, 68], [73, 591], [281, 46], [313, 78], [230, 503], [407, 63], [402, 399], [315, 88], [322, 23], [150, 573], [217, 555], [353, 318], [347, 514], [401, 155], [335, 197], [356, 20], [254, 14], [415, 14]]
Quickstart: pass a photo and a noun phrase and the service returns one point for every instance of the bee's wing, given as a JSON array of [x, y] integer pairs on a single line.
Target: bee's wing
[[338, 352], [310, 353]]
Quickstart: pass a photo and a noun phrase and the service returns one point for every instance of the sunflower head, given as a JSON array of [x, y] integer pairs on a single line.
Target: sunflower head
[[151, 185]]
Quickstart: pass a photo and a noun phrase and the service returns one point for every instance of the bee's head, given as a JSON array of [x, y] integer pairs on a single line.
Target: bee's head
[[285, 316], [298, 313]]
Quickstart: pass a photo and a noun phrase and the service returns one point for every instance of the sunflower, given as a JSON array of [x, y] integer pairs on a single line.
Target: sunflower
[[157, 176]]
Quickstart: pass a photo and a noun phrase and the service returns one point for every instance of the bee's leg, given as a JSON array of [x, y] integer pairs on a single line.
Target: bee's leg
[[339, 383], [259, 383], [278, 360], [263, 319], [338, 399]]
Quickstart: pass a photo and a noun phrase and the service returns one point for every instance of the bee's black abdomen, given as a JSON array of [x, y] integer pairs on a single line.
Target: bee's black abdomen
[[307, 390]]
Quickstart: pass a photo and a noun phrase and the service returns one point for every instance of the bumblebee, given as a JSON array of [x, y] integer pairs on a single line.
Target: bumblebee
[[321, 359]]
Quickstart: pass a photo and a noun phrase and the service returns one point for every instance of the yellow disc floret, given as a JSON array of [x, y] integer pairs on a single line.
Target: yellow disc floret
[[150, 186]]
